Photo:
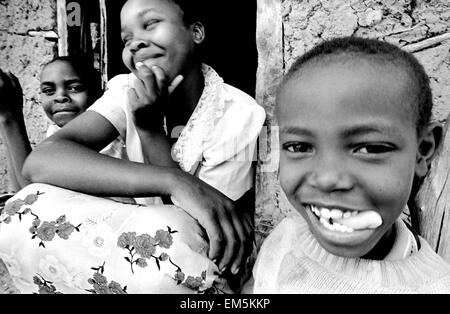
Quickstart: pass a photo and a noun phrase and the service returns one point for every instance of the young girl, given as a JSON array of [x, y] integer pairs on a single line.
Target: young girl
[[68, 88], [169, 92], [355, 131]]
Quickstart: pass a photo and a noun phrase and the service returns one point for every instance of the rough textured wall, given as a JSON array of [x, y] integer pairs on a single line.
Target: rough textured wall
[[287, 28], [23, 51]]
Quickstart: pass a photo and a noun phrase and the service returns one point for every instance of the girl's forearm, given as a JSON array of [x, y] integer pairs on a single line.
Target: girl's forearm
[[15, 137], [156, 148], [69, 165]]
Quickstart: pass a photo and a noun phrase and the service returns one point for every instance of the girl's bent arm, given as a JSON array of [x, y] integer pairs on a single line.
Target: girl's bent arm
[[12, 127], [14, 134], [70, 159]]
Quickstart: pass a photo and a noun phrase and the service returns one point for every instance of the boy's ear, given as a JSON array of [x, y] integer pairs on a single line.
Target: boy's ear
[[429, 143], [198, 32]]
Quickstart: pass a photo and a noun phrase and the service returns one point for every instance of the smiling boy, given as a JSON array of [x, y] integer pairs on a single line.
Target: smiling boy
[[355, 132]]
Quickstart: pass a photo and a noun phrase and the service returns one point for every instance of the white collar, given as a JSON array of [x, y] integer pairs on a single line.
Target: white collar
[[189, 147]]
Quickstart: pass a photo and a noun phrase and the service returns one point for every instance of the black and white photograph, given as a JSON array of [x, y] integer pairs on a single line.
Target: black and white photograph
[[227, 152]]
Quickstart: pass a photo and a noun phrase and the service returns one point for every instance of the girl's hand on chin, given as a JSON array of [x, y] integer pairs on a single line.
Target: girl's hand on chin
[[148, 95]]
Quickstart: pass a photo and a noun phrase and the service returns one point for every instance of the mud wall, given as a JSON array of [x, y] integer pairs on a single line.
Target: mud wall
[[27, 42]]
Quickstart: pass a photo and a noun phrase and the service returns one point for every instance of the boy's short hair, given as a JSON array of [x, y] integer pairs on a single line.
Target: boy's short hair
[[84, 68], [342, 49]]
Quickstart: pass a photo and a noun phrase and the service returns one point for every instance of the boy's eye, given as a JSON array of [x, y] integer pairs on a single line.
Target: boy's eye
[[76, 88], [367, 149], [298, 147], [48, 91]]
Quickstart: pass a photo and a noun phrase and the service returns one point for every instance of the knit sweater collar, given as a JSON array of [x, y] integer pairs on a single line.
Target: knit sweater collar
[[417, 269]]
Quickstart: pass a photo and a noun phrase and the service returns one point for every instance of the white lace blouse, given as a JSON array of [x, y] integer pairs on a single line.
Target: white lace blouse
[[218, 143]]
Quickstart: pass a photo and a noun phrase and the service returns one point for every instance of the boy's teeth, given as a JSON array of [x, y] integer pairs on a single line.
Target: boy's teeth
[[332, 213], [315, 210], [336, 214], [335, 226], [324, 212], [347, 221], [327, 218]]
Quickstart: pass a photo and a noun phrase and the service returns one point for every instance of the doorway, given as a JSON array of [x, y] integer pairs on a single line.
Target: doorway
[[229, 47]]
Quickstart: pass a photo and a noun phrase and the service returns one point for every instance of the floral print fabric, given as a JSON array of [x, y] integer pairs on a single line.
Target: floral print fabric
[[54, 240]]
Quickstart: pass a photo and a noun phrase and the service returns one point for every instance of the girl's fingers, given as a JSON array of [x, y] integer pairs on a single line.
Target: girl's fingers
[[250, 240], [140, 90], [215, 236], [161, 78], [176, 81], [249, 235], [147, 77], [231, 242], [155, 80], [242, 245]]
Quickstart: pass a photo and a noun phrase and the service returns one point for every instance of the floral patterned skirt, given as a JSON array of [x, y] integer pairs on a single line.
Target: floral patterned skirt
[[59, 241]]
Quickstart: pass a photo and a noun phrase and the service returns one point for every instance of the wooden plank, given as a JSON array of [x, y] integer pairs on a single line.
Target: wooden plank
[[269, 40], [434, 201], [103, 43], [61, 16], [427, 43]]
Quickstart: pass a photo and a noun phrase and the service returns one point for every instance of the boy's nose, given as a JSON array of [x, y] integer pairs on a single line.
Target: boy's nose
[[330, 177], [61, 97]]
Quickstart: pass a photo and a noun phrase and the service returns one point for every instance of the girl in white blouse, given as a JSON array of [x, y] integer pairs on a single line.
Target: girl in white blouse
[[207, 171]]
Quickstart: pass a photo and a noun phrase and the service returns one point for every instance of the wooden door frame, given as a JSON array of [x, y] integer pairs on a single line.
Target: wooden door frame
[[98, 36]]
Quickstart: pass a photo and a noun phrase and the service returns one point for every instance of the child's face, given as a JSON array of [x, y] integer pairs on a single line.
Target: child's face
[[349, 150], [63, 93], [153, 32]]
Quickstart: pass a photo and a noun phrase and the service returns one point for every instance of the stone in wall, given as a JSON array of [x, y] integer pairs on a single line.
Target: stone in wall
[[24, 55], [20, 16], [297, 26], [436, 61], [306, 23]]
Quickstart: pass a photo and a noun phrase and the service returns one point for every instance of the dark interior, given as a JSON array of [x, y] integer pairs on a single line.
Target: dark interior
[[229, 47]]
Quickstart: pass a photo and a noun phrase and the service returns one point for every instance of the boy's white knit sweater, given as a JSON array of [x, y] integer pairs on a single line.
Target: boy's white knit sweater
[[292, 261]]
